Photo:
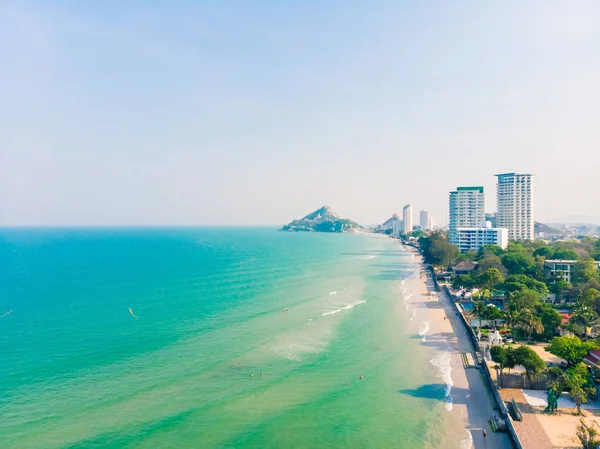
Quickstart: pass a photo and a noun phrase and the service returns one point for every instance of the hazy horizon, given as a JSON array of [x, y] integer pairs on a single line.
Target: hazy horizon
[[248, 113]]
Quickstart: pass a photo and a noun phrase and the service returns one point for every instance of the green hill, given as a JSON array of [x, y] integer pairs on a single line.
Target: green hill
[[322, 220]]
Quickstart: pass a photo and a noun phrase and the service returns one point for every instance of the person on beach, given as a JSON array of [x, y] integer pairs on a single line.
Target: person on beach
[[484, 433]]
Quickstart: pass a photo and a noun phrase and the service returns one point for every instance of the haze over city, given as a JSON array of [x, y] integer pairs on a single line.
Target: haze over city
[[256, 113]]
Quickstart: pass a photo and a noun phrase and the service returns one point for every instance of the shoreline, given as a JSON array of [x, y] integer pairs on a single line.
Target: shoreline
[[466, 397]]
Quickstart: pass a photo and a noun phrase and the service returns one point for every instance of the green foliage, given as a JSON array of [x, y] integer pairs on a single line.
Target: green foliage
[[487, 250], [490, 261], [590, 296], [545, 251], [503, 356], [585, 271], [465, 281], [530, 323], [584, 316], [437, 250], [490, 278], [517, 262], [550, 318], [565, 254], [528, 359], [580, 383], [571, 349], [558, 287], [516, 282], [524, 299], [493, 314]]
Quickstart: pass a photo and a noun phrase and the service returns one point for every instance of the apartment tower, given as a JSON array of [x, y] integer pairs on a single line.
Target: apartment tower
[[515, 205], [467, 210], [407, 219]]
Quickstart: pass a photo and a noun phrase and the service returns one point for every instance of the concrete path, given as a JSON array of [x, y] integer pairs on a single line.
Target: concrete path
[[530, 431]]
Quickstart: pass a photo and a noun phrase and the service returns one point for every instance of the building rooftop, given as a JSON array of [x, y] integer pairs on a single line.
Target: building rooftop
[[478, 188]]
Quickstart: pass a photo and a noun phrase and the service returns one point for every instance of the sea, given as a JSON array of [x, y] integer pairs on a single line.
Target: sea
[[214, 338]]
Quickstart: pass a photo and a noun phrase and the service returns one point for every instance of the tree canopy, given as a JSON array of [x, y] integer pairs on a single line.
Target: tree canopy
[[571, 349]]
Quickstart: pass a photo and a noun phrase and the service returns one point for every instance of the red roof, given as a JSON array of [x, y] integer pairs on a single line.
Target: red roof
[[566, 317], [592, 357]]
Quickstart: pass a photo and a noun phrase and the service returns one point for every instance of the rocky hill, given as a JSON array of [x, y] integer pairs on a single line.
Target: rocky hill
[[322, 220]]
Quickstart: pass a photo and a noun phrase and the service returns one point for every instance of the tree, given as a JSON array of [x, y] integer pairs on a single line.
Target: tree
[[479, 310], [524, 299], [437, 250], [558, 287], [528, 359], [464, 281], [494, 250], [490, 278], [490, 261], [585, 271], [493, 314], [517, 262], [503, 356], [571, 349], [530, 323], [551, 319], [589, 297], [579, 382], [588, 435], [565, 254], [511, 316], [545, 251], [516, 282], [585, 317]]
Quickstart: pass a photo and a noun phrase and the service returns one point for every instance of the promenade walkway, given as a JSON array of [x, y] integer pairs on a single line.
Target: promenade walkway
[[530, 431]]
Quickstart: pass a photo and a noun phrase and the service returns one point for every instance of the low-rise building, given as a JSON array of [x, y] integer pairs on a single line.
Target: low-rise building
[[465, 267], [562, 268], [474, 238]]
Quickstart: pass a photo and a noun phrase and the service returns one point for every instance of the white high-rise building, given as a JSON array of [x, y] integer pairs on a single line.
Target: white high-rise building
[[515, 205], [407, 219], [424, 221], [397, 227], [467, 210]]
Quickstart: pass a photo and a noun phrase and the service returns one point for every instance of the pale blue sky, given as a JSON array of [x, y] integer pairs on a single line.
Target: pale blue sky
[[259, 112]]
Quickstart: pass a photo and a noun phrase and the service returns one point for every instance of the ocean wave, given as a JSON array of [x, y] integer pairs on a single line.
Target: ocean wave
[[349, 306], [467, 443], [423, 330], [414, 314], [407, 297], [442, 362], [370, 257], [333, 292]]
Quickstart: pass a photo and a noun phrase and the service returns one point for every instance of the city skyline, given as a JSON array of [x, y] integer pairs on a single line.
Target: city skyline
[[254, 114]]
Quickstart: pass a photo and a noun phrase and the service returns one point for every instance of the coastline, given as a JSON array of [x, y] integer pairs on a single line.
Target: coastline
[[466, 399]]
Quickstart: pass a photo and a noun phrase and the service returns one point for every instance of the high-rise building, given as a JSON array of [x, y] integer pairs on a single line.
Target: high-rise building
[[467, 210], [407, 219], [515, 205], [424, 221]]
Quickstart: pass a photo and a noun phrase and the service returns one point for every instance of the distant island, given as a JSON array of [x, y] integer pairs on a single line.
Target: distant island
[[323, 220]]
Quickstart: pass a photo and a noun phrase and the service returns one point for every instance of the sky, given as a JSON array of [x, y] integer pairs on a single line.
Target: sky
[[258, 112]]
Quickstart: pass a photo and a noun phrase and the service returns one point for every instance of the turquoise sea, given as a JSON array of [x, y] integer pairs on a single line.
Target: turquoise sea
[[208, 315]]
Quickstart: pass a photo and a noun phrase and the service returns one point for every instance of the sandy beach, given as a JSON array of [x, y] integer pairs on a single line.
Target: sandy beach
[[467, 400]]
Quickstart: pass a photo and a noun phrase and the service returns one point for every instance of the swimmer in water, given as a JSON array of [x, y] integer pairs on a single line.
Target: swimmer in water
[[132, 314], [262, 374], [360, 377], [251, 375], [348, 383]]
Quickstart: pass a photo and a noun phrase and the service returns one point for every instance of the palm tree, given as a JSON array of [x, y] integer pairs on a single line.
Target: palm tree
[[479, 310], [530, 323], [511, 317], [584, 316]]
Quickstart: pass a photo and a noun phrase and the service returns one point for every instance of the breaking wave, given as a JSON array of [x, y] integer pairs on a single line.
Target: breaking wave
[[349, 306], [442, 362]]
